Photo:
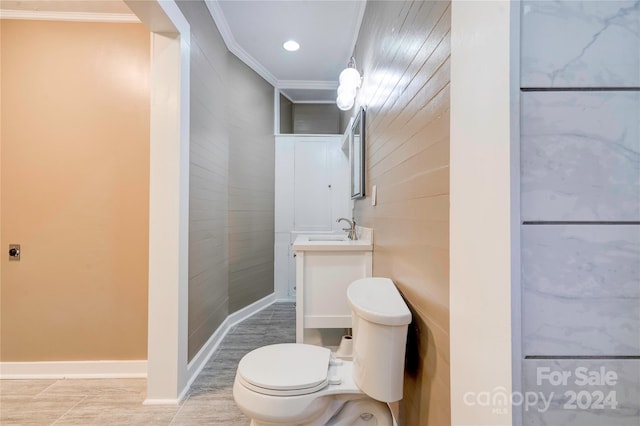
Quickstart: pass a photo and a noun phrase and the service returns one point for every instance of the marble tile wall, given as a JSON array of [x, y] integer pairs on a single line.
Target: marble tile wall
[[580, 204], [580, 43], [581, 290], [580, 153]]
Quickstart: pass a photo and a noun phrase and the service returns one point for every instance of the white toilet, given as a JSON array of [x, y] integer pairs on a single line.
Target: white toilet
[[294, 383]]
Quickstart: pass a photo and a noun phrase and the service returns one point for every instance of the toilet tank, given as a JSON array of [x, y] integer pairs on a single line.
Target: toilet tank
[[380, 320]]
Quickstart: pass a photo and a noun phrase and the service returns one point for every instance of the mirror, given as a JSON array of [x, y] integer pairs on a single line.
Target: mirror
[[356, 154]]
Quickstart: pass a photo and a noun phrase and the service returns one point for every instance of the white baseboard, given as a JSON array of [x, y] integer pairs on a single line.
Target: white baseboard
[[73, 370], [204, 354], [247, 311]]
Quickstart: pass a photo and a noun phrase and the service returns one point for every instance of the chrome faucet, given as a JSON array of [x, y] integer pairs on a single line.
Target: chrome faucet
[[351, 229]]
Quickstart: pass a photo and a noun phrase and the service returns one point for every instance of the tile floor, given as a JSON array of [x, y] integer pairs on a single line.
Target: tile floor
[[119, 401]]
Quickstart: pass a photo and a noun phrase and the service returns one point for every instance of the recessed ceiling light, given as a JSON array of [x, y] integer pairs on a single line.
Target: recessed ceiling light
[[291, 45]]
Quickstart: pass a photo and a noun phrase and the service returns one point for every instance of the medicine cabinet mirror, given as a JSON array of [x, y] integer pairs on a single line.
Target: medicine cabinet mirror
[[356, 154]]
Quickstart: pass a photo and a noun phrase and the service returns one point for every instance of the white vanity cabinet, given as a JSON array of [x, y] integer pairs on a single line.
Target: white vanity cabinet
[[324, 269]]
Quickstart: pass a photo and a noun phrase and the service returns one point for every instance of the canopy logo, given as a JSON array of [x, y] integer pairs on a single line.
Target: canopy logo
[[499, 399]]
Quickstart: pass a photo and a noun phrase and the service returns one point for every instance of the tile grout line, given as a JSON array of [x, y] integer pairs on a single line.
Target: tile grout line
[[47, 388], [182, 404], [69, 410]]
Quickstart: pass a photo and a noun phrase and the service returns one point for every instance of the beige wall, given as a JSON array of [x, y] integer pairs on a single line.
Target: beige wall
[[403, 52], [75, 185], [231, 181]]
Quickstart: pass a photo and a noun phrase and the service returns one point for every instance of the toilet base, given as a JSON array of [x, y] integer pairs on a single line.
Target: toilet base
[[348, 412], [362, 412]]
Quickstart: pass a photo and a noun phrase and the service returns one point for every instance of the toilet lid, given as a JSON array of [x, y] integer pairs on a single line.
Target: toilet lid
[[288, 368]]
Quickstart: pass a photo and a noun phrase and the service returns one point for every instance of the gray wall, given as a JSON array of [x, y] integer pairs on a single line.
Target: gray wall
[[315, 119], [231, 161], [407, 157], [251, 186], [580, 201], [286, 115], [306, 119]]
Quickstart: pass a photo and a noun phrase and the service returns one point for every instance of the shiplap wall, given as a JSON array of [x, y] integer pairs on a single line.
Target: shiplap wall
[[403, 51], [231, 160]]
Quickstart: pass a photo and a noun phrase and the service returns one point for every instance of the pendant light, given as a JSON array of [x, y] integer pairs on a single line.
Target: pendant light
[[350, 80]]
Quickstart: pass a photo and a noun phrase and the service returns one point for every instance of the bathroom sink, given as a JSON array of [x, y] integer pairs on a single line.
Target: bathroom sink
[[328, 238], [334, 242]]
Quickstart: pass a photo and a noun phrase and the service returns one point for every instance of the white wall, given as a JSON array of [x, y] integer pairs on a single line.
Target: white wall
[[480, 214], [168, 200]]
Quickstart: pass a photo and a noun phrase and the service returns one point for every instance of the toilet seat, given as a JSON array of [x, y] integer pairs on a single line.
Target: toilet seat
[[286, 369]]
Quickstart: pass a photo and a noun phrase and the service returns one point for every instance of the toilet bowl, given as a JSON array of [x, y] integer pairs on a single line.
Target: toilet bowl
[[300, 384]]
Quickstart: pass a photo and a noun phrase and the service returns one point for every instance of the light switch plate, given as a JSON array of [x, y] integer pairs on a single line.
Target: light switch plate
[[374, 195]]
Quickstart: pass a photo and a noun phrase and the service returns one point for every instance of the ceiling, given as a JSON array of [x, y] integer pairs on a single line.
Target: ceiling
[[254, 31], [326, 30]]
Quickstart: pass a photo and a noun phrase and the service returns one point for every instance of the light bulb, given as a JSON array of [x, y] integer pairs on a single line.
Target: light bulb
[[350, 77], [344, 103], [346, 92]]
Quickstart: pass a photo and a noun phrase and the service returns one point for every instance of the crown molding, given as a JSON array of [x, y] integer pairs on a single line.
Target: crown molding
[[38, 15], [307, 84], [218, 17], [315, 102], [285, 95]]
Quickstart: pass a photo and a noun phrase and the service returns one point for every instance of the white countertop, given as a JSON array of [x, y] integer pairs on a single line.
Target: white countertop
[[335, 242]]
